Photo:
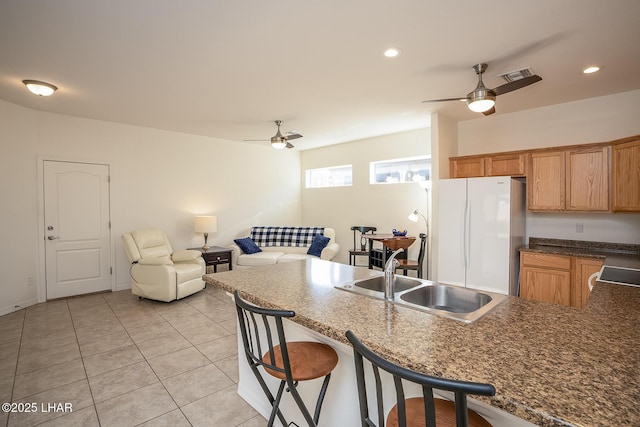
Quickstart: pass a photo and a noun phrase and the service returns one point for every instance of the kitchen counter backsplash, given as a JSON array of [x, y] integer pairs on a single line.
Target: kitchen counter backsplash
[[581, 248]]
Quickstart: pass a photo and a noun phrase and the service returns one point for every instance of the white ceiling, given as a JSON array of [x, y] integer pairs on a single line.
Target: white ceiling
[[227, 69]]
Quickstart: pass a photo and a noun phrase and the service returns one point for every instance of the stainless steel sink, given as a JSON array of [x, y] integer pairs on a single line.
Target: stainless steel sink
[[402, 283], [447, 298], [453, 302]]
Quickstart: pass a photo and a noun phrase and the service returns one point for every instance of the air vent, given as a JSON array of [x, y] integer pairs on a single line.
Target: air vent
[[517, 75]]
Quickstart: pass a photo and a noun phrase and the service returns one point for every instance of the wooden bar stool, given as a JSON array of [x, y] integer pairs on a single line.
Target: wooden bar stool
[[290, 362], [416, 411]]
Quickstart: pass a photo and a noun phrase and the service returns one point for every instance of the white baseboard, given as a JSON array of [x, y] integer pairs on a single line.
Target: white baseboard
[[19, 306], [122, 286]]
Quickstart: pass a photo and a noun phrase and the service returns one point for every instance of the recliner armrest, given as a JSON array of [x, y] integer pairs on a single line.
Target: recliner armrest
[[185, 255]]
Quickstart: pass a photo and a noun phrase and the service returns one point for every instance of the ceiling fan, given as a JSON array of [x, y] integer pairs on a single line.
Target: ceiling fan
[[482, 99], [279, 141]]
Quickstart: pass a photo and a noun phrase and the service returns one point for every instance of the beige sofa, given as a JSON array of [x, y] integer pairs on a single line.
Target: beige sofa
[[283, 244]]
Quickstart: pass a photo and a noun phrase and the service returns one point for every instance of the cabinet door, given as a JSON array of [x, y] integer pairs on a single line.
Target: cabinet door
[[543, 284], [585, 267], [505, 165], [587, 175], [545, 181], [466, 168], [625, 177]]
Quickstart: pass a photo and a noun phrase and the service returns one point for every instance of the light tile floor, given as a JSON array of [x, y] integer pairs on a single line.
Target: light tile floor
[[120, 361]]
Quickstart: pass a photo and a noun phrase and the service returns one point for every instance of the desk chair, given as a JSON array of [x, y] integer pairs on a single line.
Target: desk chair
[[290, 362], [410, 264], [416, 411], [360, 243]]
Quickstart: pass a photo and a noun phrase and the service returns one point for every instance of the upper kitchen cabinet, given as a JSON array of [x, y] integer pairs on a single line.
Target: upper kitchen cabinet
[[569, 180], [512, 164], [545, 182], [587, 179], [466, 167], [503, 164], [625, 177]]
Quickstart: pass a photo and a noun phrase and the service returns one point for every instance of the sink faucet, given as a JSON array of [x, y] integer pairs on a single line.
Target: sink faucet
[[389, 275]]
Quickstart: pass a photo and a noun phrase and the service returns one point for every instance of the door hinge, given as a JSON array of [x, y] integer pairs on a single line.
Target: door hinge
[[111, 270], [109, 225], [109, 179]]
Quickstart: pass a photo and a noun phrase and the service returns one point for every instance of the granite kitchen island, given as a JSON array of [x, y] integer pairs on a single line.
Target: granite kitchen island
[[551, 365]]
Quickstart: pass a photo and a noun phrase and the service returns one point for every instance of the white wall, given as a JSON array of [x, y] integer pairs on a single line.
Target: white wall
[[383, 206], [591, 120], [158, 179]]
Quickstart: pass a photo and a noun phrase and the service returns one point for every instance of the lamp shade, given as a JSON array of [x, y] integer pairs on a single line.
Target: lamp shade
[[206, 224], [414, 216]]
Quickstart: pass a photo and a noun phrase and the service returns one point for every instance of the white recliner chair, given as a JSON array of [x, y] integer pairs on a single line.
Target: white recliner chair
[[158, 273]]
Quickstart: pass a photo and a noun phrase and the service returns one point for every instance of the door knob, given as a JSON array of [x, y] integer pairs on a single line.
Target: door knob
[[52, 237]]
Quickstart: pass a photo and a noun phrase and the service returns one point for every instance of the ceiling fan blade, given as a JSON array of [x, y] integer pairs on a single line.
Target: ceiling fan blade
[[491, 111], [445, 99], [290, 145], [517, 84], [292, 135], [256, 140]]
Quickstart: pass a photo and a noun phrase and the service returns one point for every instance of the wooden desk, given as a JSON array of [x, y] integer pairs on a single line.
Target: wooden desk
[[388, 241]]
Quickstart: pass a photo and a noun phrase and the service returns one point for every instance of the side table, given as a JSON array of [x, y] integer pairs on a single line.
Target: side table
[[215, 256]]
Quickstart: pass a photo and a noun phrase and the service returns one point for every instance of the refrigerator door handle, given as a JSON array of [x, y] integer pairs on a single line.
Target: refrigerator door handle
[[467, 245]]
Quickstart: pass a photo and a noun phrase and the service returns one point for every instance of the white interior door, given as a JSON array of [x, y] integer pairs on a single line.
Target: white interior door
[[76, 221]]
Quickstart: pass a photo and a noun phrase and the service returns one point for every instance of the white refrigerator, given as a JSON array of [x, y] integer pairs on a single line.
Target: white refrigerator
[[481, 228]]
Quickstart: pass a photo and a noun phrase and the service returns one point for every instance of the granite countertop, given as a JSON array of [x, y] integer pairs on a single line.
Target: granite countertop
[[551, 365]]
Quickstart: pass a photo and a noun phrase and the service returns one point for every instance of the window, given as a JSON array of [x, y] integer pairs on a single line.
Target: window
[[411, 169], [335, 176]]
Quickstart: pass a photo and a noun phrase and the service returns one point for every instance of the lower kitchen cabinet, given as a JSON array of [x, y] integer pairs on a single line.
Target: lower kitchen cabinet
[[584, 268], [557, 279], [545, 278]]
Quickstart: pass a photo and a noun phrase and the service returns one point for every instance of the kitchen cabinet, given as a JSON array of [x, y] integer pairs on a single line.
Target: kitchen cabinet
[[504, 164], [557, 279], [569, 180], [545, 182], [587, 179], [466, 167], [625, 177], [545, 278], [584, 268]]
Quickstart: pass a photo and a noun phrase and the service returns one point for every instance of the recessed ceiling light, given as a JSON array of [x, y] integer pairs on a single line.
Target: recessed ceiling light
[[590, 70], [39, 88], [392, 52]]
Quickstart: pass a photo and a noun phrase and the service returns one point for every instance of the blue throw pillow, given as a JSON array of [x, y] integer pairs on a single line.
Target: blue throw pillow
[[318, 243], [248, 246]]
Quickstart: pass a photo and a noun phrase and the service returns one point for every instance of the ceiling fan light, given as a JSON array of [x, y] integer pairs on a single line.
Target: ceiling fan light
[[481, 105], [39, 88], [278, 143]]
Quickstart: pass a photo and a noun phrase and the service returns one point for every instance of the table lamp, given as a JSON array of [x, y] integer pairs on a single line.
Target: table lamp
[[206, 225]]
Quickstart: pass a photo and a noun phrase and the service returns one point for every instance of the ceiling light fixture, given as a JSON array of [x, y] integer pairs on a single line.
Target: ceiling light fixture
[[40, 88], [481, 99], [392, 52], [591, 70]]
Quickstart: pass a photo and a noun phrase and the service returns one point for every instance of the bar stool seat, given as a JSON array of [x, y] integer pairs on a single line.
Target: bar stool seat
[[445, 414], [309, 360]]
